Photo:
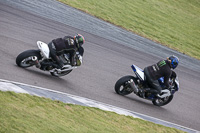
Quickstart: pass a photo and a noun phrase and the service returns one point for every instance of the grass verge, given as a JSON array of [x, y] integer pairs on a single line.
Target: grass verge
[[21, 113], [173, 23]]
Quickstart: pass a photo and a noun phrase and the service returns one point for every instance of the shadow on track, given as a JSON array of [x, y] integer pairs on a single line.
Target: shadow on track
[[143, 102], [46, 75]]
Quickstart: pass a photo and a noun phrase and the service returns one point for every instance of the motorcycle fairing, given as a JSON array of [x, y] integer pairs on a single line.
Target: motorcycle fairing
[[138, 72], [43, 48], [177, 83]]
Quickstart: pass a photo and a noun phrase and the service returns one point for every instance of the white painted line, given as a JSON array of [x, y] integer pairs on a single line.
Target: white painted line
[[11, 87]]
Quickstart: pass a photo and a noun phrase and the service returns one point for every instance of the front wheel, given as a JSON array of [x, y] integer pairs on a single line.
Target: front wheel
[[163, 101], [25, 58], [122, 87]]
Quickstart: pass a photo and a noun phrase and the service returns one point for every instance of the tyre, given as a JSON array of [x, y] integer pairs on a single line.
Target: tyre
[[24, 59], [162, 101], [122, 87], [57, 74]]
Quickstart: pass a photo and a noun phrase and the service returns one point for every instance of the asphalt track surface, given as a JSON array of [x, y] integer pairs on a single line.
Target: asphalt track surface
[[106, 58]]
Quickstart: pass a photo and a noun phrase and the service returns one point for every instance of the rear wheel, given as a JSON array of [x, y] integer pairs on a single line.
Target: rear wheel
[[163, 101], [24, 59], [122, 87]]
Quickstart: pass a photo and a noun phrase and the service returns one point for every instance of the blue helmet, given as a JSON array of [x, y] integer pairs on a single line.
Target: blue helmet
[[174, 61]]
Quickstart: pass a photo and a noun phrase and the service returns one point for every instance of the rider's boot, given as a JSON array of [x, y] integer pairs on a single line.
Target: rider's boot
[[46, 66], [164, 93], [43, 66], [144, 91]]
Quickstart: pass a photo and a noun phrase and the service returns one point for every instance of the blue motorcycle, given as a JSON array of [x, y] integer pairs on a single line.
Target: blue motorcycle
[[135, 84]]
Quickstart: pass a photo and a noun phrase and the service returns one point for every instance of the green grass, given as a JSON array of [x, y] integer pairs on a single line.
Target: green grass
[[173, 23], [23, 113]]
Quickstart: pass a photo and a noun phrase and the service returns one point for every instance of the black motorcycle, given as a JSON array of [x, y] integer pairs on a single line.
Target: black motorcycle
[[40, 56], [135, 84]]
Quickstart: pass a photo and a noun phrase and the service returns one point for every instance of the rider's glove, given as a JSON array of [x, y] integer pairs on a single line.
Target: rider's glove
[[79, 60]]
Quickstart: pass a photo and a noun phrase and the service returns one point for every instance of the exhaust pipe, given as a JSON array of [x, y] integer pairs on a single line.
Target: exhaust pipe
[[66, 69], [36, 62], [133, 86]]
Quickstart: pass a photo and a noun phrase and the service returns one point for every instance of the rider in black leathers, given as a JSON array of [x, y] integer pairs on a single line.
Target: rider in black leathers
[[68, 44], [158, 70]]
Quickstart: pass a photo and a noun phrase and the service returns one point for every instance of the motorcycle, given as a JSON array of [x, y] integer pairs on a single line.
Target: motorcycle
[[128, 84], [40, 56]]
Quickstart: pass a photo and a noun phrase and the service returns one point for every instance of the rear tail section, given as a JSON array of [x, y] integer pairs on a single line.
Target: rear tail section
[[138, 72]]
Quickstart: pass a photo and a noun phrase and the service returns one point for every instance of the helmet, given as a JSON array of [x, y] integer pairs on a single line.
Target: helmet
[[79, 39], [174, 61]]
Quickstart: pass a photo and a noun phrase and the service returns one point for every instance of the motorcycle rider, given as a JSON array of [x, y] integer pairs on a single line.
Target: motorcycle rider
[[158, 70], [68, 45]]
